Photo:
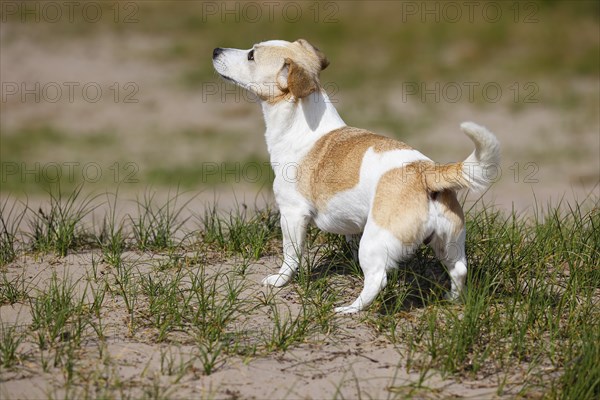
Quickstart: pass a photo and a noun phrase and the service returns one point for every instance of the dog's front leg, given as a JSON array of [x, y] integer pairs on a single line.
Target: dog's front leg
[[293, 228]]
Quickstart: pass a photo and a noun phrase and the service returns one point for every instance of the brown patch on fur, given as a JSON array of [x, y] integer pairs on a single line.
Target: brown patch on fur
[[401, 204], [300, 83], [452, 210], [437, 177], [333, 164]]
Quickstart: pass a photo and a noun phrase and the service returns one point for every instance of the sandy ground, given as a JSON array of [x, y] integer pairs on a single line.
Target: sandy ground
[[356, 362]]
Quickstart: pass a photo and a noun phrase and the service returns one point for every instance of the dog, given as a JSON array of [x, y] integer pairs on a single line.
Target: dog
[[375, 190]]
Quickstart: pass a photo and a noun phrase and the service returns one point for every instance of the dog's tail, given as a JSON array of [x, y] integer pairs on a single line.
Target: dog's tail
[[476, 172]]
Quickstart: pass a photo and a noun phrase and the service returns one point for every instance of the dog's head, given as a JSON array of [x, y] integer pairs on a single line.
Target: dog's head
[[273, 70]]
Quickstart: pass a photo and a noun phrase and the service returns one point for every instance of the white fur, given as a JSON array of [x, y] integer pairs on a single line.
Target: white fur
[[292, 129], [481, 166]]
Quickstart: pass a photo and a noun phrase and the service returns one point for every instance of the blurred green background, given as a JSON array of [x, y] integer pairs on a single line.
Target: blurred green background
[[408, 69]]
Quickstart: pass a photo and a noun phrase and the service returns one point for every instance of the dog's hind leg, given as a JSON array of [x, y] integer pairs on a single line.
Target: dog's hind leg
[[451, 252], [448, 242], [379, 252]]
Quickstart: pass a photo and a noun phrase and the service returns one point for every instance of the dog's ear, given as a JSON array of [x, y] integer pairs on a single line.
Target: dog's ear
[[323, 61], [299, 82]]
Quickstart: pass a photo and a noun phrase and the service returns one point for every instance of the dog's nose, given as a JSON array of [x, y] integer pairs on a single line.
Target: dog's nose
[[217, 51]]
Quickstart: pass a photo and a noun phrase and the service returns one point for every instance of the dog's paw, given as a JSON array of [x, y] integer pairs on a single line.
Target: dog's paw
[[276, 280], [346, 310]]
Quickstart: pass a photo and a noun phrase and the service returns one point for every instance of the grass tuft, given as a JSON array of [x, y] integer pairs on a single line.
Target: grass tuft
[[10, 221], [58, 314], [58, 229], [10, 339], [112, 237], [239, 232], [12, 290], [155, 226]]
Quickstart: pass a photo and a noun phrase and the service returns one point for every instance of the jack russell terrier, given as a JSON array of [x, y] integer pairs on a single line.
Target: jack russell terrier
[[349, 180]]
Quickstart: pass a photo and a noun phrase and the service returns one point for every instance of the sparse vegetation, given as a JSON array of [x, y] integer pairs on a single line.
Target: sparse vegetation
[[532, 281]]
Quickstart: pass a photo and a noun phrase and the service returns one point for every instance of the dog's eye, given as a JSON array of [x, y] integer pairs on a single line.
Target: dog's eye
[[251, 55]]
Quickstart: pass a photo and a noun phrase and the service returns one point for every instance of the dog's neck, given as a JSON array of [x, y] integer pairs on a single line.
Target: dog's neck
[[294, 125]]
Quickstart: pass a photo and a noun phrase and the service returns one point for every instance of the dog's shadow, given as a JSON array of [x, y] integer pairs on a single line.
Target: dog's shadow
[[417, 282]]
